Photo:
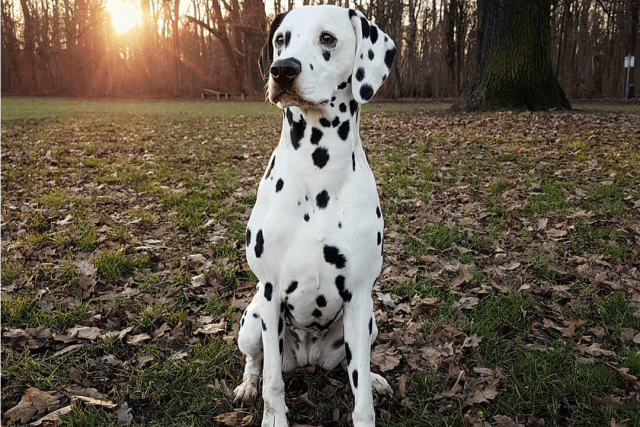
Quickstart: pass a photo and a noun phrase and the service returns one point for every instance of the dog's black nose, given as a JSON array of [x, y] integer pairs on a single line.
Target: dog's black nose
[[283, 71]]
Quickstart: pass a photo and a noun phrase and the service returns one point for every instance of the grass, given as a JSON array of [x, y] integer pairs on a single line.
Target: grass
[[156, 194]]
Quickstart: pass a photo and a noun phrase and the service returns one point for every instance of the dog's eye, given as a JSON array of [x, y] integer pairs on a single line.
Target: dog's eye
[[327, 39], [279, 40]]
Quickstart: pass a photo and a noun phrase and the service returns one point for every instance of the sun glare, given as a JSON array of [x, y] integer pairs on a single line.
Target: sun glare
[[124, 14]]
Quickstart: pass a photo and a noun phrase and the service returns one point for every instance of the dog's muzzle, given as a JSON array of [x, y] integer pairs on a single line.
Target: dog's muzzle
[[283, 74]]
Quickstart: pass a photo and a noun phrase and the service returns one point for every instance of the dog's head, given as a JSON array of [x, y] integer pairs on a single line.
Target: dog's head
[[315, 51]]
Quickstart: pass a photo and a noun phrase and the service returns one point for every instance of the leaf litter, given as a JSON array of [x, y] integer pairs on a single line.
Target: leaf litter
[[476, 206]]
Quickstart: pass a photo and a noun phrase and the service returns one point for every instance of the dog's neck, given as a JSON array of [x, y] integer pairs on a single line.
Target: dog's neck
[[333, 124]]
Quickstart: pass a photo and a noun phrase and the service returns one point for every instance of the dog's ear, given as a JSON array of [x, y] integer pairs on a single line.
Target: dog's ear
[[375, 52], [266, 55]]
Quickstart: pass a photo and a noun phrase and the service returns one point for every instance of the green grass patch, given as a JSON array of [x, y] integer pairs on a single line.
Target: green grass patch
[[182, 391], [112, 264], [551, 199]]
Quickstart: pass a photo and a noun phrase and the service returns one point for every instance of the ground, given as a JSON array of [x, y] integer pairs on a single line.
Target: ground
[[510, 291]]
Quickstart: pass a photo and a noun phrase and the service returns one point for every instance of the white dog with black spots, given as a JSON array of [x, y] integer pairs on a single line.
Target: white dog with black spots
[[314, 238]]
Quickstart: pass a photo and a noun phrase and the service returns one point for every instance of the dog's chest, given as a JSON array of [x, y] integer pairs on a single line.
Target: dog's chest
[[314, 231]]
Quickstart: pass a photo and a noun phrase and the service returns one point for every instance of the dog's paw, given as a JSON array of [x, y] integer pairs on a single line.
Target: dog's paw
[[381, 386], [274, 416], [245, 394]]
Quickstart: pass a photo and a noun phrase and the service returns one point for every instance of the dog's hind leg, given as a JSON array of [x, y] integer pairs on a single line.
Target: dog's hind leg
[[250, 344]]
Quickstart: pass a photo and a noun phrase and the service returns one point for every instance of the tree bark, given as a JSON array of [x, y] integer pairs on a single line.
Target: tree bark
[[514, 65]]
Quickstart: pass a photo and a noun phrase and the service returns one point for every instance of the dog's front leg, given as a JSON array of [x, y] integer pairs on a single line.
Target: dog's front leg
[[357, 345], [275, 409]]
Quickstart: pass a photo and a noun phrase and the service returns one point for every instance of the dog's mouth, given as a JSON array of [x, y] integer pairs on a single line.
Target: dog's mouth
[[285, 98]]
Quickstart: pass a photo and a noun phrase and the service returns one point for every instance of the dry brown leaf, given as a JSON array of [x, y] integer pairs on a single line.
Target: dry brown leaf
[[53, 418], [384, 358], [33, 402], [95, 402], [137, 339], [236, 419], [504, 421], [84, 332]]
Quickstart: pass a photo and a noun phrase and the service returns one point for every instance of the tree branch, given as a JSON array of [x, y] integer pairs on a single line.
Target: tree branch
[[204, 25]]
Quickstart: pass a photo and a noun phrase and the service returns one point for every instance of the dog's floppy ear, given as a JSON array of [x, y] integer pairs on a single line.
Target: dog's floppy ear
[[375, 52], [266, 56]]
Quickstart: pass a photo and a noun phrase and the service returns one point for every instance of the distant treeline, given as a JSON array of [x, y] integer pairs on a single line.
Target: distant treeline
[[68, 47]]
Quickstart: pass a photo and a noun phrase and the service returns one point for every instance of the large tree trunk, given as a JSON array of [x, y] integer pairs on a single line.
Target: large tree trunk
[[514, 68]]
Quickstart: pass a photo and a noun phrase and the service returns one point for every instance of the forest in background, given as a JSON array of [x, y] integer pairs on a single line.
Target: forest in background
[[70, 47]]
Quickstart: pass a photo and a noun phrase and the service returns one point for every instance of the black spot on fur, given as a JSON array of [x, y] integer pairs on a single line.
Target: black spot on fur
[[348, 351], [324, 122], [360, 74], [371, 55], [337, 344], [311, 65], [343, 107], [379, 237], [297, 132], [315, 325], [317, 313], [339, 225], [333, 256], [255, 315], [366, 91], [287, 38], [280, 325], [342, 85], [292, 287], [378, 214], [279, 185], [283, 306], [322, 199], [259, 248], [321, 301], [335, 121], [365, 28], [353, 160], [268, 291], [374, 33], [354, 377], [352, 13], [353, 106], [344, 293], [343, 130], [289, 115], [316, 134], [248, 237], [306, 217], [273, 162], [320, 157], [242, 322], [389, 56], [326, 55], [370, 325], [281, 346], [264, 327]]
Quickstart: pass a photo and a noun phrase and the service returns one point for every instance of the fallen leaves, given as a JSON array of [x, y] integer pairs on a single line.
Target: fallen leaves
[[523, 197], [34, 402]]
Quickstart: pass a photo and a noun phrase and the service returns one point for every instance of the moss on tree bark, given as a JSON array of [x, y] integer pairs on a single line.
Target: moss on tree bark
[[514, 68]]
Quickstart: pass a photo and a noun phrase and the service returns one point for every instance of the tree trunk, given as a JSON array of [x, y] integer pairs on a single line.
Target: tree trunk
[[514, 66]]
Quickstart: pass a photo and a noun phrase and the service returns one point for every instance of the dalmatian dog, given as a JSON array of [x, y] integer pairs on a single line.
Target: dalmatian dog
[[314, 238]]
